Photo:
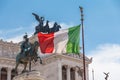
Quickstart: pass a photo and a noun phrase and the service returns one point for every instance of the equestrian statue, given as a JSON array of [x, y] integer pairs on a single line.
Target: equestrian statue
[[27, 54]]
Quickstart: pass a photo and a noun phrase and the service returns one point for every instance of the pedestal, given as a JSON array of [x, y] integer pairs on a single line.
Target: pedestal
[[33, 75]]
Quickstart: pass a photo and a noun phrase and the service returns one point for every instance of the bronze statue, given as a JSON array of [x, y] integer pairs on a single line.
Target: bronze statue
[[55, 28], [28, 53], [39, 19], [39, 27], [106, 75], [45, 29], [26, 45]]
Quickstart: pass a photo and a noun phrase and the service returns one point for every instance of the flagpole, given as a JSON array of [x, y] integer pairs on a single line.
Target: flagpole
[[84, 69]]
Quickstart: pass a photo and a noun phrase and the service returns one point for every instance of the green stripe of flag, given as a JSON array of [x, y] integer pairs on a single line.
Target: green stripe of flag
[[73, 40]]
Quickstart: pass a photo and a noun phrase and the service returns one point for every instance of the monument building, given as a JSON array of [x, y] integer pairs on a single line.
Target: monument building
[[55, 66]]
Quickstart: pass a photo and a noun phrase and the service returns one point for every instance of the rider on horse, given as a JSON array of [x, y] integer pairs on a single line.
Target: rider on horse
[[26, 45]]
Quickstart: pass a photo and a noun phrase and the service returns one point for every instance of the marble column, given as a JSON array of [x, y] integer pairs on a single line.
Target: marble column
[[0, 72], [9, 74], [59, 70], [76, 73], [87, 70], [68, 72]]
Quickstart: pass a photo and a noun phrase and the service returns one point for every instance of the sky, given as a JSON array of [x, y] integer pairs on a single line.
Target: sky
[[101, 27]]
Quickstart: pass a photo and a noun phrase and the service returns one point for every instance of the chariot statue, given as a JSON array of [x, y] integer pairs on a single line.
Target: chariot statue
[[45, 29]]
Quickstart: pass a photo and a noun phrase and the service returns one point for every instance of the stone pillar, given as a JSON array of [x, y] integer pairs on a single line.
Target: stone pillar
[[0, 72], [68, 72], [9, 74], [76, 73], [87, 78], [79, 72], [59, 70]]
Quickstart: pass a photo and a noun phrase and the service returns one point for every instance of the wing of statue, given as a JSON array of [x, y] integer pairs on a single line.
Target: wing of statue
[[36, 16], [105, 73]]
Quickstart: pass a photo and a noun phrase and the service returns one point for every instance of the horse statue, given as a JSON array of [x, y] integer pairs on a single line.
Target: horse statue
[[46, 27], [55, 28], [31, 56]]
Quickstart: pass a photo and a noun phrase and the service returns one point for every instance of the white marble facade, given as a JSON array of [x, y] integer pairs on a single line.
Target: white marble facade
[[54, 67]]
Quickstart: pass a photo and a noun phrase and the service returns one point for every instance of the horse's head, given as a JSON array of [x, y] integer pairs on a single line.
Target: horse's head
[[59, 26], [34, 48], [55, 24], [36, 43], [47, 21]]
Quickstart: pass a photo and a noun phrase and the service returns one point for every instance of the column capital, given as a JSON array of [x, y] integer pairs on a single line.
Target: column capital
[[9, 68], [67, 66], [79, 70], [74, 68], [68, 72]]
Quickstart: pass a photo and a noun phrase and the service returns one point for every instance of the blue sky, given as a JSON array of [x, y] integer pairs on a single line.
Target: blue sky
[[102, 19], [101, 24]]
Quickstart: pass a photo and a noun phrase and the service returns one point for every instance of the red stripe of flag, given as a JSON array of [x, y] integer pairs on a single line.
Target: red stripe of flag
[[46, 42]]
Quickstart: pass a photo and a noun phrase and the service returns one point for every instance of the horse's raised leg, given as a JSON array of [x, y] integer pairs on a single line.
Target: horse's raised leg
[[25, 65], [29, 64], [40, 60], [16, 67]]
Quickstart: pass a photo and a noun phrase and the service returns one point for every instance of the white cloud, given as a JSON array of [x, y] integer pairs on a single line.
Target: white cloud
[[15, 39], [106, 58], [9, 31], [51, 24], [14, 30], [18, 38], [64, 25]]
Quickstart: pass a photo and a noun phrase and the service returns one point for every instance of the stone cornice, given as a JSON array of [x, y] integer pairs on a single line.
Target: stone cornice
[[54, 57], [49, 59], [6, 62]]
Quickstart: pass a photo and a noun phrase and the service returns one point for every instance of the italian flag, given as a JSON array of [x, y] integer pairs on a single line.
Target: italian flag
[[63, 41]]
